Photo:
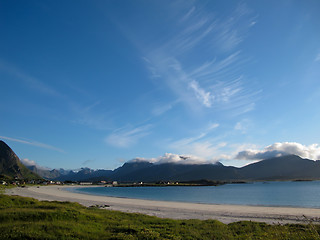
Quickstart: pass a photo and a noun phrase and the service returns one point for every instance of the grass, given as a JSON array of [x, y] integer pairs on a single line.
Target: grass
[[27, 218]]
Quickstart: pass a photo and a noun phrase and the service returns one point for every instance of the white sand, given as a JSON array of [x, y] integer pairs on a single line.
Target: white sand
[[175, 210]]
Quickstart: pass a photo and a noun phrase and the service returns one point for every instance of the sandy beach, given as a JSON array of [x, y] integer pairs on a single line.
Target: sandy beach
[[174, 210]]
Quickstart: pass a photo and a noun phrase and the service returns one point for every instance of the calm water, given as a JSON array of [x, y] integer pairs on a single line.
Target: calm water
[[295, 194]]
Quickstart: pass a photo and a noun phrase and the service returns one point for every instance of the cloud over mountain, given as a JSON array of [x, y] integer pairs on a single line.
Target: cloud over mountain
[[27, 162], [280, 149], [275, 150], [173, 158]]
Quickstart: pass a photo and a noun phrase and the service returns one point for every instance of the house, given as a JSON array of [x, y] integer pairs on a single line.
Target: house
[[85, 183]]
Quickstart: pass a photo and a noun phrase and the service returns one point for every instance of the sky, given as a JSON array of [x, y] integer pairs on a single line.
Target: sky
[[99, 83]]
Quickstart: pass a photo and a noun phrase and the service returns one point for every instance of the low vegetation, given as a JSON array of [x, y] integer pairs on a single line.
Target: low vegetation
[[27, 218]]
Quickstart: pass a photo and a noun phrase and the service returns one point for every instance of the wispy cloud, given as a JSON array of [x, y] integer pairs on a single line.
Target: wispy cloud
[[202, 145], [127, 137], [29, 81], [213, 68], [160, 109], [317, 59], [204, 97], [242, 125], [89, 115], [213, 126], [33, 143], [232, 31], [214, 80], [87, 162], [93, 116]]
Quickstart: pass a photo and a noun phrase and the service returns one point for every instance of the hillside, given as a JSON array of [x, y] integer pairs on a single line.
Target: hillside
[[45, 173], [288, 167], [11, 167], [148, 172]]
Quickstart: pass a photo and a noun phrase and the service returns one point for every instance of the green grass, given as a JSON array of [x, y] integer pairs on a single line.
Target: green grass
[[27, 218]]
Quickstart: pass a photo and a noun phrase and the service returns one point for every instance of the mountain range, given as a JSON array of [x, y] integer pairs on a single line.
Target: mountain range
[[289, 167]]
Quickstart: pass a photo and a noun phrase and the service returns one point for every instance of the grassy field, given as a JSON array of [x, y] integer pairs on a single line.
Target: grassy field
[[27, 218]]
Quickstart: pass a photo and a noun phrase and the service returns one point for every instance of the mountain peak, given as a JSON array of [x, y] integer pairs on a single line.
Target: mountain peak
[[10, 165]]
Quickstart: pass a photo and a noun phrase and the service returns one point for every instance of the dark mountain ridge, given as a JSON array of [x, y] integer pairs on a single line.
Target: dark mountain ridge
[[175, 172], [85, 174], [11, 167], [45, 173], [290, 167]]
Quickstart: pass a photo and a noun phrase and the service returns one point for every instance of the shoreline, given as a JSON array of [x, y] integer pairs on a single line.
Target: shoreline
[[174, 210], [169, 201]]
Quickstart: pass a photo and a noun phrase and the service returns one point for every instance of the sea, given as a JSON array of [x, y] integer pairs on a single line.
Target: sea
[[289, 194]]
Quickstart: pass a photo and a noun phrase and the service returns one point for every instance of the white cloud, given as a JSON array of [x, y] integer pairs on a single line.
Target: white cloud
[[252, 23], [238, 126], [317, 58], [33, 143], [173, 158], [242, 125], [205, 152], [205, 97], [127, 137], [180, 159], [280, 149], [213, 126], [27, 162]]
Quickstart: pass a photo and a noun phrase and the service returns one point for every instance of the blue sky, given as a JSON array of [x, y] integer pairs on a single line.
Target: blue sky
[[98, 83]]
